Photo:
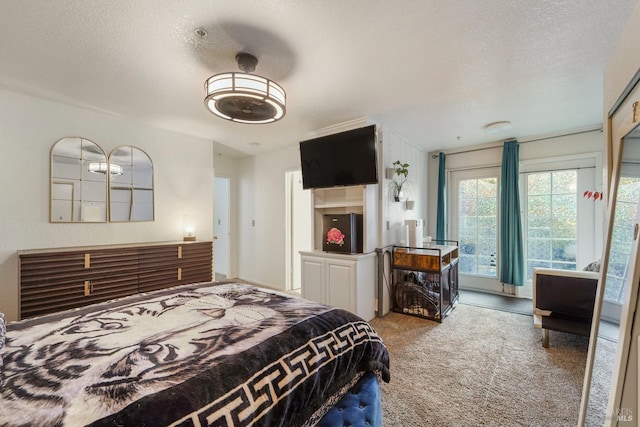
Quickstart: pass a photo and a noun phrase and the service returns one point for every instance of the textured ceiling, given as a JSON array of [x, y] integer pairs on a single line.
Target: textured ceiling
[[434, 71]]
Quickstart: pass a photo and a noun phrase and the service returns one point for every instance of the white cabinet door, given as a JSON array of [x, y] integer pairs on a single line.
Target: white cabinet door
[[341, 278], [345, 282], [313, 279]]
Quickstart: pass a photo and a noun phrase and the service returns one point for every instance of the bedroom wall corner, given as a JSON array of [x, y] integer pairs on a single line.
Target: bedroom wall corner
[[261, 216], [395, 213], [29, 126]]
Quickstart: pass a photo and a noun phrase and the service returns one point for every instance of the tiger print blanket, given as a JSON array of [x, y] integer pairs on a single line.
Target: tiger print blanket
[[215, 354]]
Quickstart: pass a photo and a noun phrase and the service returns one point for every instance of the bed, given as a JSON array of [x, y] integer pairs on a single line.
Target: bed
[[217, 354]]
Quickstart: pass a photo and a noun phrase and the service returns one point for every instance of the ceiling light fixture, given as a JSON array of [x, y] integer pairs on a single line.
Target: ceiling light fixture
[[101, 167], [496, 127], [244, 97]]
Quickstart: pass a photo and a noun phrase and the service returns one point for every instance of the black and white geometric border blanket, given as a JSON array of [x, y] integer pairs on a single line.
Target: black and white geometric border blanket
[[213, 354]]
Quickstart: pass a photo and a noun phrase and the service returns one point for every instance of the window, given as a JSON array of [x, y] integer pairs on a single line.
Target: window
[[560, 228], [622, 238], [477, 225], [552, 216]]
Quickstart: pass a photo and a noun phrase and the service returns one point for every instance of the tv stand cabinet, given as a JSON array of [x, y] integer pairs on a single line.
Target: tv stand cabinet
[[341, 281]]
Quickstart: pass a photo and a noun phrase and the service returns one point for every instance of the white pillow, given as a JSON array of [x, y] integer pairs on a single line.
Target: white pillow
[[593, 266]]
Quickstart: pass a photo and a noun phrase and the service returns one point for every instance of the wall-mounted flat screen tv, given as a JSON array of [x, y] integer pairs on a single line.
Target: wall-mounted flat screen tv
[[341, 159]]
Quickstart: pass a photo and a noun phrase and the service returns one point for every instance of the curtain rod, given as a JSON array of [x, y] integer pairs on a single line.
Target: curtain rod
[[435, 156]]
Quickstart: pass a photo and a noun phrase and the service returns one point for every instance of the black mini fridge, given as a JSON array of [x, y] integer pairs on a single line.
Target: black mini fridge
[[342, 233]]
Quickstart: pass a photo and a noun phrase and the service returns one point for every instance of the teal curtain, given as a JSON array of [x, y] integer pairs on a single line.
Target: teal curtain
[[511, 253], [441, 215]]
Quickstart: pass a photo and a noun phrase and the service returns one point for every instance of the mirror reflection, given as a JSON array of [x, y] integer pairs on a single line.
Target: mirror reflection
[[78, 181], [131, 189], [620, 242]]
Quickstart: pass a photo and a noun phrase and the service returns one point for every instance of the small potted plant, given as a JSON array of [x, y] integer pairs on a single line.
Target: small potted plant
[[401, 171]]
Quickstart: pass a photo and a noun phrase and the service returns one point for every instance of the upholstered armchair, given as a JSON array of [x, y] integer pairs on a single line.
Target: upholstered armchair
[[563, 300]]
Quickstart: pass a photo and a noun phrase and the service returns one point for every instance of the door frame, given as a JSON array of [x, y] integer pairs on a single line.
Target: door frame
[[227, 250], [466, 281], [293, 264]]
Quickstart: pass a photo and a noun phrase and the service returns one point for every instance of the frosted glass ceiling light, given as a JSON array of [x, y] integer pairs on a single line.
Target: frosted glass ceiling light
[[243, 97], [497, 127]]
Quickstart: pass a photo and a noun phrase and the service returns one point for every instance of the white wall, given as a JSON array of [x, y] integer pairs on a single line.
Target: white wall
[[183, 178], [622, 66], [394, 213], [624, 61], [261, 216], [394, 148]]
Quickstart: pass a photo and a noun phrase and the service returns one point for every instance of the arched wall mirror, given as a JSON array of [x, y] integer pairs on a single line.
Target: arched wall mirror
[[618, 265], [131, 185], [78, 181]]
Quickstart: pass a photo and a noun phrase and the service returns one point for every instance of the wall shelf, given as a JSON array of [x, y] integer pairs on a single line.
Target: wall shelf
[[329, 205], [360, 199]]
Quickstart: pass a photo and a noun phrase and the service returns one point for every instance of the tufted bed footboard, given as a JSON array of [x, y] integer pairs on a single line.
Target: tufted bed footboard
[[360, 407]]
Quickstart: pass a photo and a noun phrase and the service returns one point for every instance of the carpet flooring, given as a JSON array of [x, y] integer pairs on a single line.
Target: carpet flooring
[[607, 330], [480, 367]]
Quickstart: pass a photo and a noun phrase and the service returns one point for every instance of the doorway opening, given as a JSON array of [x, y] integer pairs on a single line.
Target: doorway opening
[[298, 228], [222, 228]]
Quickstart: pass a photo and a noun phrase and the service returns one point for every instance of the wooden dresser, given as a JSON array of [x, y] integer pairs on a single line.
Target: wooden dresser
[[52, 280]]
